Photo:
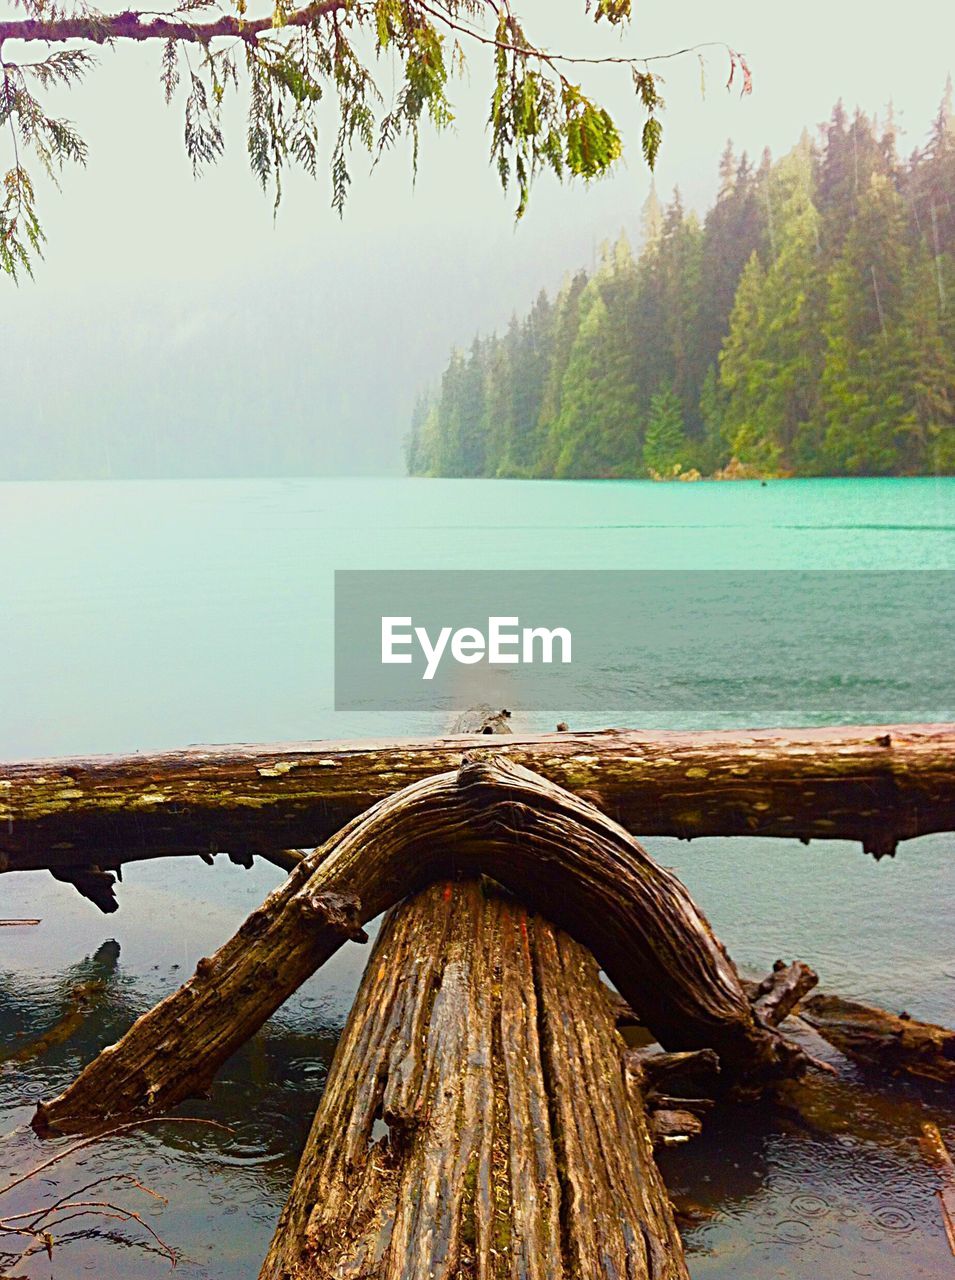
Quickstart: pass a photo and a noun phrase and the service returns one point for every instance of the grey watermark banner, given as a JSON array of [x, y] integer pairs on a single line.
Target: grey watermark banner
[[650, 646]]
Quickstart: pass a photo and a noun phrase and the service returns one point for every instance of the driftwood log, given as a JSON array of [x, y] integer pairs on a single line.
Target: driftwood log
[[475, 1122], [553, 850], [666, 1077], [895, 1043], [876, 784]]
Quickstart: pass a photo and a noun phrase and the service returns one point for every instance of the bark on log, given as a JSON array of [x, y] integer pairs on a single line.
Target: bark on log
[[673, 1126], [556, 852], [879, 785], [780, 992], [668, 1075], [896, 1043], [482, 1048]]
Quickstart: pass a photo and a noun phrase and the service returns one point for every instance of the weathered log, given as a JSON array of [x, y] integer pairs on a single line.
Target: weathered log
[[781, 991], [554, 851], [895, 1042], [672, 1074], [475, 1121], [879, 785], [669, 1126]]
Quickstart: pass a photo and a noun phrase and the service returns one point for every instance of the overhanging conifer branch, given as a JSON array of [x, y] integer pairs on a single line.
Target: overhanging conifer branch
[[132, 26]]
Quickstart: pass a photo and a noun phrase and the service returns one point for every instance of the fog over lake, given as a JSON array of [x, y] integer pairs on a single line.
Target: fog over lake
[[175, 329]]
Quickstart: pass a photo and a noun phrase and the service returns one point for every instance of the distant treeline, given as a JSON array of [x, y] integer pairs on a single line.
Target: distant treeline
[[806, 327]]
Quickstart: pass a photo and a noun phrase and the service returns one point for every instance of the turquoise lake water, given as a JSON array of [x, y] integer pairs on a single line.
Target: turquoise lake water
[[138, 616]]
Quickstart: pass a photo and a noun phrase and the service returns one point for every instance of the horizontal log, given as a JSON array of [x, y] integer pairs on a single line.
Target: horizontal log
[[475, 1121], [557, 853], [893, 1042], [876, 784]]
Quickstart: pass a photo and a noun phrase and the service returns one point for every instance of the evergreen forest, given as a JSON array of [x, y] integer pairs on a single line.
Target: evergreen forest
[[806, 326]]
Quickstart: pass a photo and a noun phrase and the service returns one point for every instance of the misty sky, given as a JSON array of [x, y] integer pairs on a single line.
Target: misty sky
[[173, 320]]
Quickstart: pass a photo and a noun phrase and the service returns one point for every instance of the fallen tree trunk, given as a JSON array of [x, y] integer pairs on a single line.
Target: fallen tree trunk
[[475, 1122], [894, 1042], [554, 851], [879, 785]]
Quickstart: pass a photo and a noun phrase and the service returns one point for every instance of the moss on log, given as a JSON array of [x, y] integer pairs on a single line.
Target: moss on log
[[554, 851], [475, 1122], [876, 784]]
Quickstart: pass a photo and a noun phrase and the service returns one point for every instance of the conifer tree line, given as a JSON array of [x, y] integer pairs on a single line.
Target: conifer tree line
[[805, 327]]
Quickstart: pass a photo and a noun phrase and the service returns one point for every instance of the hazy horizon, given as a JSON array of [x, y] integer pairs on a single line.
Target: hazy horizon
[[174, 330]]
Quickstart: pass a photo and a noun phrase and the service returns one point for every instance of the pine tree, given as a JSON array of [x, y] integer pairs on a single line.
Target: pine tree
[[711, 453], [500, 381], [415, 447], [665, 449], [772, 356], [867, 416], [922, 369], [597, 432], [651, 218], [734, 229], [931, 181], [565, 325]]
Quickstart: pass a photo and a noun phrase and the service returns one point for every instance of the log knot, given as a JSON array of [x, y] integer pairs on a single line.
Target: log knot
[[337, 911]]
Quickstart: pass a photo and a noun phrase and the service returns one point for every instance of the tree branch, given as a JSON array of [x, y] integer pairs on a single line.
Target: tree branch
[[129, 26]]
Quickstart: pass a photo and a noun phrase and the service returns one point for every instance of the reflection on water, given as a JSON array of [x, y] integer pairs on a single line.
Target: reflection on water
[[829, 1182], [224, 1189]]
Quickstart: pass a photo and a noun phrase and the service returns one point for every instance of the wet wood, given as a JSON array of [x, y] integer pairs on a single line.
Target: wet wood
[[672, 1074], [554, 851], [780, 992], [934, 1146], [667, 1127], [877, 784], [475, 1122], [894, 1042]]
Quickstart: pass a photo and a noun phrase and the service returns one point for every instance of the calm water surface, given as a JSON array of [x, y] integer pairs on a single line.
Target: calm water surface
[[142, 616]]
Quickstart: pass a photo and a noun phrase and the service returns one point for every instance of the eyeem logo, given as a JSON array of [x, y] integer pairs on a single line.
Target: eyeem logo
[[505, 643], [431, 642]]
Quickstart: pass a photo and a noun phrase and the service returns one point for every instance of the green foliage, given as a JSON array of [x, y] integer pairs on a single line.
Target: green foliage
[[203, 136], [665, 450], [598, 402], [20, 232], [808, 327], [711, 449], [772, 357], [53, 141], [293, 58], [615, 11], [651, 140], [645, 84]]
